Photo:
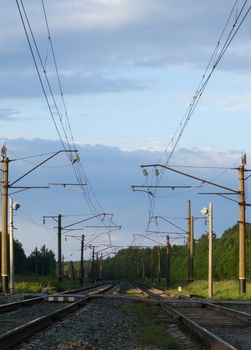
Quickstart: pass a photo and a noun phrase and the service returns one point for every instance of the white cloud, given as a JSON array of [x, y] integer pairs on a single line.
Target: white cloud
[[230, 102], [8, 114], [112, 171], [98, 14]]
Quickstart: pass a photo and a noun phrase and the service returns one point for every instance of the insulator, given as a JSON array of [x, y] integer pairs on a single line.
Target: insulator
[[145, 172], [156, 171]]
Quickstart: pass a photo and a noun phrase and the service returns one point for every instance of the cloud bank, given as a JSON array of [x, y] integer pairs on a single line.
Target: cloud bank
[[111, 172]]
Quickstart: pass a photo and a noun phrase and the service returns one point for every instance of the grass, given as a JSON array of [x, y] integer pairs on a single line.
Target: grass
[[45, 284], [222, 290], [152, 333]]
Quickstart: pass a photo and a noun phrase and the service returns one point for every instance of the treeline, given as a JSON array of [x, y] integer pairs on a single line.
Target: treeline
[[137, 263], [40, 261]]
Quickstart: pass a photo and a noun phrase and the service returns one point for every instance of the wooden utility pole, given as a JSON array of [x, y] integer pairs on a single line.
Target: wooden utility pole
[[36, 262], [96, 266], [143, 270], [152, 264], [93, 262], [168, 260], [82, 260], [59, 248], [158, 262], [242, 228], [101, 267], [4, 250]]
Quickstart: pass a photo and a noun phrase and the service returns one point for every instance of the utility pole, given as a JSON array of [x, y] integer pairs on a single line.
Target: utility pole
[[152, 264], [190, 221], [11, 243], [13, 206], [60, 248], [96, 266], [93, 262], [5, 185], [158, 262], [168, 260], [143, 270], [242, 211], [101, 267], [58, 220], [210, 252], [36, 262], [82, 260], [209, 212], [242, 229]]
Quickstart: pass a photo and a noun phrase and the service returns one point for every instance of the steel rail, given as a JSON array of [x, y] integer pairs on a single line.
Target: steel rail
[[23, 303], [19, 334], [202, 334]]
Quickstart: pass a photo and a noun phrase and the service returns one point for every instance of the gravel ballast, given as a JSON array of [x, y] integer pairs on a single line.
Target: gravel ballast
[[100, 325]]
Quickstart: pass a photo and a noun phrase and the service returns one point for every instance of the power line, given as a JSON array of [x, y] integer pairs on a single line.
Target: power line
[[210, 68], [87, 192], [206, 77]]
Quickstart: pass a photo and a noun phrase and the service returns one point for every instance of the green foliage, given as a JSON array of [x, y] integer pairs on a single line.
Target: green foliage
[[222, 290], [41, 262], [19, 256], [128, 263], [48, 284]]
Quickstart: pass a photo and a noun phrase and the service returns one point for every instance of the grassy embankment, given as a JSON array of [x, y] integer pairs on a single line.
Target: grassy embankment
[[46, 284], [225, 290], [222, 290]]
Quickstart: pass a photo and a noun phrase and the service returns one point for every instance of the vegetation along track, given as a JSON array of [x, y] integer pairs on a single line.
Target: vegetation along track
[[22, 319], [216, 326]]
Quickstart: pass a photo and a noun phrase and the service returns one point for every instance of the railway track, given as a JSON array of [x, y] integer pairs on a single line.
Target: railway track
[[22, 319], [217, 326], [209, 325]]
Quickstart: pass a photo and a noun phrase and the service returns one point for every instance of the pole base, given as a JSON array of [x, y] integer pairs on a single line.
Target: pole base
[[5, 284], [242, 286]]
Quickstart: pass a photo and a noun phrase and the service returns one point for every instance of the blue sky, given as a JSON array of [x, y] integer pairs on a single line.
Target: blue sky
[[129, 71]]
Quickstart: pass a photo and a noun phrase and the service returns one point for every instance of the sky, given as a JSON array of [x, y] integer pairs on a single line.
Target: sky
[[129, 71]]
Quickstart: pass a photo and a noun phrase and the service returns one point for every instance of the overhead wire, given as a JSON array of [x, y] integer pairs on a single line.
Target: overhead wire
[[67, 142], [79, 171], [216, 57], [78, 164]]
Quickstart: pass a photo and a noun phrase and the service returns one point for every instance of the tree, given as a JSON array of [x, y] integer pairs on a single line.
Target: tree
[[20, 260], [19, 256], [41, 262]]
